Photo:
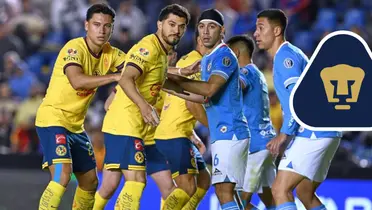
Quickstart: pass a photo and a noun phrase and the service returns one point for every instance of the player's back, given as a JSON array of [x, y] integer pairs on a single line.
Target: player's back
[[256, 107], [176, 121], [225, 108], [289, 63], [63, 105], [149, 57]]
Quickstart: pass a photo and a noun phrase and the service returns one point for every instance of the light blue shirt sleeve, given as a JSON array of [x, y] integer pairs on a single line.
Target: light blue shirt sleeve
[[243, 76], [224, 65], [290, 68]]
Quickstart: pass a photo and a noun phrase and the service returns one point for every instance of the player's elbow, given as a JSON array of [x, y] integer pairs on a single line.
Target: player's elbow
[[210, 92], [77, 84]]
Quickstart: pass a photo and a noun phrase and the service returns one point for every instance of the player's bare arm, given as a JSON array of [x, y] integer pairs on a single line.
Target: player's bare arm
[[198, 143], [79, 80], [109, 100], [174, 89], [198, 111], [187, 71], [128, 84], [207, 89]]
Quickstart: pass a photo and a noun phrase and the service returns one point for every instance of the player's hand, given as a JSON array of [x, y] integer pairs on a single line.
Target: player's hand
[[275, 146], [117, 77], [192, 69], [199, 144], [150, 115]]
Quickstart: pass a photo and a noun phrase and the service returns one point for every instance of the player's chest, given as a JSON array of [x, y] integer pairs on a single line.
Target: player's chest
[[98, 66], [157, 73]]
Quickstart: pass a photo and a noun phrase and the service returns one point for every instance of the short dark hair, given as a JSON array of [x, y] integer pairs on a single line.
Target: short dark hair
[[175, 9], [244, 40], [100, 8], [276, 16]]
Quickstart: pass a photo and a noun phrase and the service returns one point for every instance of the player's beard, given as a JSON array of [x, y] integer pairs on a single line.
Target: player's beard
[[169, 42]]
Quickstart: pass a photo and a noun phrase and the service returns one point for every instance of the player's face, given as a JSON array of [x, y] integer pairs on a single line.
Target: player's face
[[99, 28], [210, 33], [172, 29], [264, 33]]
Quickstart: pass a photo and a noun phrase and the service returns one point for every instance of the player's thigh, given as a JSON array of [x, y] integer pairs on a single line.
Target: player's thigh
[[326, 161], [55, 146], [305, 156], [83, 156], [229, 159], [158, 168], [253, 175], [124, 153], [155, 160], [179, 155]]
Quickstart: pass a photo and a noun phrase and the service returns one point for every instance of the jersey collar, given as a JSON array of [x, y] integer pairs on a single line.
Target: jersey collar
[[222, 44], [161, 44], [286, 42]]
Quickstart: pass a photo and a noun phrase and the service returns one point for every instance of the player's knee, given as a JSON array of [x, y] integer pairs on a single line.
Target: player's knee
[[187, 183], [61, 173], [278, 191], [89, 183], [204, 179]]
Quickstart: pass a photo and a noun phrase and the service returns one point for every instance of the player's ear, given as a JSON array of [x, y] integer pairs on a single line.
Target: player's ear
[[86, 25], [277, 31], [160, 25], [222, 32]]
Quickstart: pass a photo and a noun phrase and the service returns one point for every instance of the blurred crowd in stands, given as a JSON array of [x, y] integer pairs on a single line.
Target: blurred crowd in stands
[[33, 31]]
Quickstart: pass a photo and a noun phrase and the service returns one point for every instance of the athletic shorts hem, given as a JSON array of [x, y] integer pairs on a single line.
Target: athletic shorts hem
[[55, 161], [111, 166]]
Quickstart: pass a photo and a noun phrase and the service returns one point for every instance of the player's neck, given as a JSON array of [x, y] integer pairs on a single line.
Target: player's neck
[[209, 50], [277, 43], [244, 61], [96, 49]]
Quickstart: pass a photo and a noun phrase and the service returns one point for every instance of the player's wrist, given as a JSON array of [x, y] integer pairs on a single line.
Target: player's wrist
[[179, 71]]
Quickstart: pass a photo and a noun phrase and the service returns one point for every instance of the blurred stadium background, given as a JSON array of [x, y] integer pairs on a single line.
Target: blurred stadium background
[[33, 31]]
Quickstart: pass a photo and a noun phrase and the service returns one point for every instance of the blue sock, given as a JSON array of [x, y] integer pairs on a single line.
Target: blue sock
[[232, 205], [287, 206], [321, 207], [271, 208]]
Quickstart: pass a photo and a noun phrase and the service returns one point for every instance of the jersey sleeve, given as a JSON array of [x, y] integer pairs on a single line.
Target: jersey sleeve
[[141, 56], [289, 66], [243, 76], [224, 65], [72, 54], [118, 60], [290, 69]]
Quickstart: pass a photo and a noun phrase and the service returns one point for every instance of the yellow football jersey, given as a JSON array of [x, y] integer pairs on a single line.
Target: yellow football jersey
[[149, 56], [63, 105], [150, 133], [176, 121]]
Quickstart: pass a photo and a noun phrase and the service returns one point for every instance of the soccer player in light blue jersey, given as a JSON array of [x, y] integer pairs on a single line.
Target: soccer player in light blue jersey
[[261, 169], [306, 161], [227, 125]]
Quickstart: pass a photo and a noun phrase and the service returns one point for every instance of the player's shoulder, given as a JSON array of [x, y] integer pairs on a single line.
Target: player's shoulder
[[225, 56], [147, 47], [109, 49], [75, 45], [289, 55], [189, 59]]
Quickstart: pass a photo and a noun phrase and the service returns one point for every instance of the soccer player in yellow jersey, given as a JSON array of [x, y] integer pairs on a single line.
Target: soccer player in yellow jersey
[[81, 67], [131, 112], [172, 136]]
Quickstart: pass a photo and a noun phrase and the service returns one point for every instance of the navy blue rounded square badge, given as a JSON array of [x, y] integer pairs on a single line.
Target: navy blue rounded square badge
[[335, 90]]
